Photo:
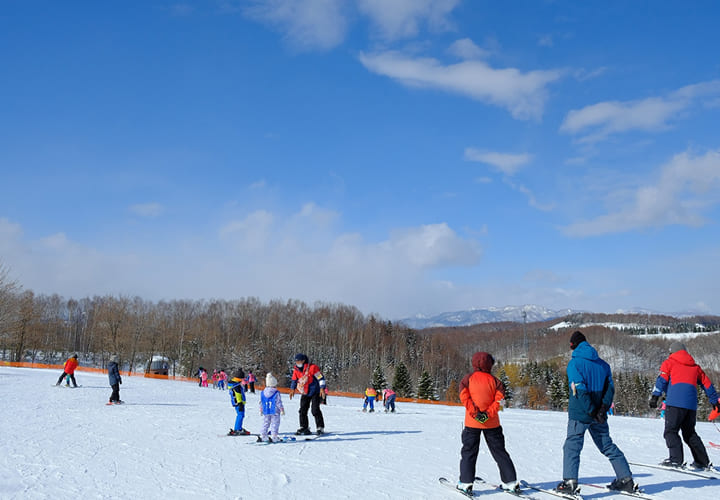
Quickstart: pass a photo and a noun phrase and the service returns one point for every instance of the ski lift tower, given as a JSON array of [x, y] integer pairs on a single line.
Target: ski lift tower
[[525, 342]]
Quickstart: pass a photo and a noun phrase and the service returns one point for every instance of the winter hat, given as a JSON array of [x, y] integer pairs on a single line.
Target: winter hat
[[270, 381], [576, 339], [301, 357], [75, 356], [677, 346], [114, 358], [483, 361], [240, 374]]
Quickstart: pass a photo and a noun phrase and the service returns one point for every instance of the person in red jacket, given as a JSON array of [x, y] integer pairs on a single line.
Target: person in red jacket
[[308, 380], [678, 379], [481, 394], [69, 370]]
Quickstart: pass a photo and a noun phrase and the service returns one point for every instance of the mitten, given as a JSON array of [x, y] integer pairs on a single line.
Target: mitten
[[481, 417], [653, 401]]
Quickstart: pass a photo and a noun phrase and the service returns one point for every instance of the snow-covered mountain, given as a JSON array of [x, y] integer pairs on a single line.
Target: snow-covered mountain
[[488, 315]]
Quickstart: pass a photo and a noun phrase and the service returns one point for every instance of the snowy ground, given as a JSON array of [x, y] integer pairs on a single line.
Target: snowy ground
[[168, 442]]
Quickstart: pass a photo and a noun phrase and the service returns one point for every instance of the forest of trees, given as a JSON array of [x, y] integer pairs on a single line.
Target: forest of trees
[[352, 349]]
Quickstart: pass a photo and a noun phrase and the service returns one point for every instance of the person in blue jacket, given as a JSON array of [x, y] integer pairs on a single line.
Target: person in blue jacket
[[115, 380], [237, 399], [591, 394]]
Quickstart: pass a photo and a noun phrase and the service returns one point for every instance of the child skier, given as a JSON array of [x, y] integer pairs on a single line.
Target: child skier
[[222, 378], [237, 398], [271, 408], [481, 393], [369, 399], [389, 400]]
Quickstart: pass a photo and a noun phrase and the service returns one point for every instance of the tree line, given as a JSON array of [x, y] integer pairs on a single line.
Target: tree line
[[353, 350]]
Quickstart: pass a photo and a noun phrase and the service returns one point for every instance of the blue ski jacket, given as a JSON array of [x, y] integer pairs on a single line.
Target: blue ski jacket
[[591, 385]]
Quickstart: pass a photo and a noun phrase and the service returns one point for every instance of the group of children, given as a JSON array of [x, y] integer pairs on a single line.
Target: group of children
[[371, 394], [271, 406]]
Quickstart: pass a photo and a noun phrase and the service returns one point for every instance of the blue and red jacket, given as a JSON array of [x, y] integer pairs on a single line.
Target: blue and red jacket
[[679, 376]]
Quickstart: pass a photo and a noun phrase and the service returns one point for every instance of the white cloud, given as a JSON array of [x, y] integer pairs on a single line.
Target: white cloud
[[546, 41], [306, 24], [147, 209], [523, 94], [507, 163], [686, 186], [650, 114], [466, 49], [396, 19], [433, 245]]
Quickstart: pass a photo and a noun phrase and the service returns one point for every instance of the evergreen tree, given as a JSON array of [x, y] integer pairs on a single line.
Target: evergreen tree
[[426, 387], [379, 382], [401, 381], [556, 392], [503, 376]]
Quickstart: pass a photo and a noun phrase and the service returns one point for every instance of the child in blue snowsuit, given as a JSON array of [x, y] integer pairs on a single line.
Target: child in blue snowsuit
[[237, 398]]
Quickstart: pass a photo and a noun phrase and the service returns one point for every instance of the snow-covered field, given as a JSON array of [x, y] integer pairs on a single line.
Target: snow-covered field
[[168, 442]]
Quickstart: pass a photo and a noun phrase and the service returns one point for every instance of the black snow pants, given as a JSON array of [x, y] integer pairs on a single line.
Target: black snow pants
[[72, 377], [681, 419], [305, 402], [496, 444], [115, 396]]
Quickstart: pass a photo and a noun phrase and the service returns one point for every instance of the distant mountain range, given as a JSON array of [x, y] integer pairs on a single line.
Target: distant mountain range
[[512, 313], [489, 315]]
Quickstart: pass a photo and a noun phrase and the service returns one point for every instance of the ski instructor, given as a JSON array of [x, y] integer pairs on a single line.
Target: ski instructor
[[308, 380]]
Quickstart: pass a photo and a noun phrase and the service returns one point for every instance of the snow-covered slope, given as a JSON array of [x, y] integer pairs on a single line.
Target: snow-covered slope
[[168, 442]]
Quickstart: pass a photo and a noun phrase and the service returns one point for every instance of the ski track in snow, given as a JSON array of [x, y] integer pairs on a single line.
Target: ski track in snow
[[167, 441]]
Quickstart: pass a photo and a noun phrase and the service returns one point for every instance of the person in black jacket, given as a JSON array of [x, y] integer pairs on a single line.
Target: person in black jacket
[[115, 380]]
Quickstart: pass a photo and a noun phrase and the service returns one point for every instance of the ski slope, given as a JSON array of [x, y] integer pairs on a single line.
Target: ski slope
[[169, 441]]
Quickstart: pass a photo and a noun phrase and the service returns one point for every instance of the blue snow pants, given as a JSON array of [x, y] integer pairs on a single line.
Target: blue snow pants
[[240, 417], [600, 434]]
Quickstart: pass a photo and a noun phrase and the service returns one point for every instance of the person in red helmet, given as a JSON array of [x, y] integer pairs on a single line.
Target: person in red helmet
[[481, 394]]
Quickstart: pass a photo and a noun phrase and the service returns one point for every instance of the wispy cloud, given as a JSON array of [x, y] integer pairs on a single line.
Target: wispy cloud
[[507, 163], [305, 24], [147, 209], [651, 114], [522, 94], [269, 255], [395, 19], [466, 49], [686, 186]]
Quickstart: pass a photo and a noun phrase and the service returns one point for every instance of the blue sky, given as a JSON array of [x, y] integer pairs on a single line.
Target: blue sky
[[402, 156]]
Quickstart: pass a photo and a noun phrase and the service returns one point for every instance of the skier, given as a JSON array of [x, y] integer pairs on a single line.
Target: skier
[[308, 380], [271, 408], [679, 376], [115, 380], [69, 371], [369, 399], [591, 394], [204, 378], [389, 400], [237, 399], [481, 394], [222, 380]]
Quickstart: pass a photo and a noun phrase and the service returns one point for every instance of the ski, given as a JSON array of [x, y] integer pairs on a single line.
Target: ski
[[283, 439], [446, 482], [714, 445], [569, 496], [520, 493], [637, 493], [312, 437], [709, 474]]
